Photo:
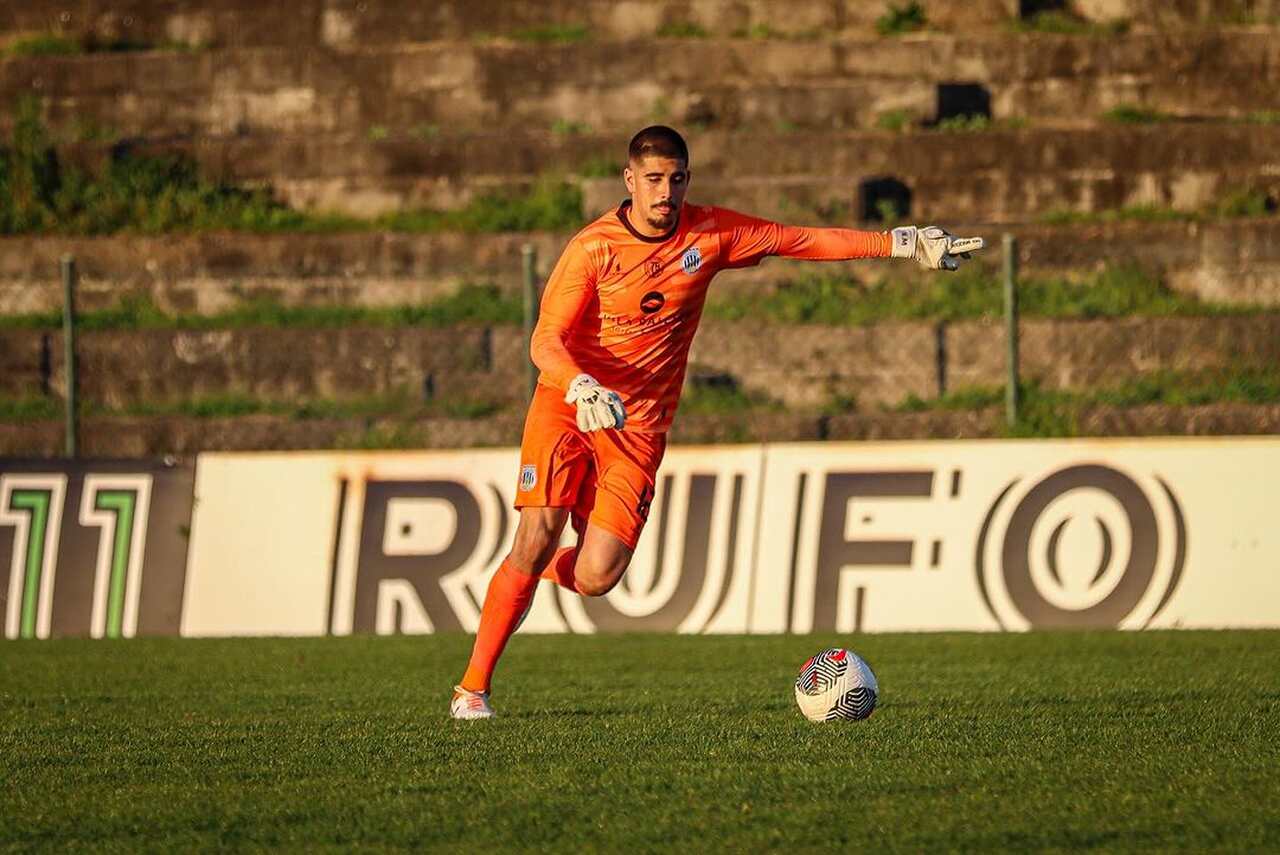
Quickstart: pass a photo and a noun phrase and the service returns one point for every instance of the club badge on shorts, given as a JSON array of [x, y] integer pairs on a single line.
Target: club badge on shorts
[[691, 260], [528, 477]]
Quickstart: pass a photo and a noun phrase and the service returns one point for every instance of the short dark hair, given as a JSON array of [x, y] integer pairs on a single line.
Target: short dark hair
[[660, 141]]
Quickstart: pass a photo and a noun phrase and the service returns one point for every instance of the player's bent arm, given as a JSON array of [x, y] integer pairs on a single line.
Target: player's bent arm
[[568, 293]]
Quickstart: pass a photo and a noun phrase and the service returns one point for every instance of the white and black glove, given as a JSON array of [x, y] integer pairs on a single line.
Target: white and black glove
[[935, 248], [598, 407]]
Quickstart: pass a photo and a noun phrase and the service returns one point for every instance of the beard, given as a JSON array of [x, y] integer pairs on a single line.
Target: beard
[[659, 220]]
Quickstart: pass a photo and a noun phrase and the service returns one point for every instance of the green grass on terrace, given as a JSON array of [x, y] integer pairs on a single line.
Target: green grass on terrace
[[1128, 114], [553, 34], [56, 44], [400, 404], [1118, 742], [813, 298], [721, 396], [470, 304], [1241, 202], [977, 123], [41, 44], [157, 194], [30, 408], [1067, 24], [972, 292], [1059, 412], [682, 30]]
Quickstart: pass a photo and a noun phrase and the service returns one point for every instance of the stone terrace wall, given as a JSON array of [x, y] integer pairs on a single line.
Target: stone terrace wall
[[802, 366], [150, 437], [1226, 262], [357, 23], [468, 86], [995, 177]]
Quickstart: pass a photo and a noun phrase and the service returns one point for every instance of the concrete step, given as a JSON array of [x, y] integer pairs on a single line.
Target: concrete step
[[353, 23], [1233, 262], [801, 366], [346, 23], [998, 176], [426, 89], [153, 437]]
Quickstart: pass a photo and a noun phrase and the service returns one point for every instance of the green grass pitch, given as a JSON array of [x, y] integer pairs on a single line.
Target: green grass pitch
[[1108, 741]]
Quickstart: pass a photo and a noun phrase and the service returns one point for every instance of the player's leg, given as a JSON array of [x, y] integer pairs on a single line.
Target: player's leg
[[592, 566], [616, 508], [601, 560], [554, 460], [509, 596], [537, 537]]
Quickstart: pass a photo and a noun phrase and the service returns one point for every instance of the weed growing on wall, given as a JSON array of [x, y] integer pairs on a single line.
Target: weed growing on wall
[[682, 30], [42, 44], [553, 34], [1129, 114], [1057, 22], [894, 120], [906, 18]]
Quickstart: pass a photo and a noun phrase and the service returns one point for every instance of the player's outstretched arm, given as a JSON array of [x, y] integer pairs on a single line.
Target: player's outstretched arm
[[933, 247], [746, 240]]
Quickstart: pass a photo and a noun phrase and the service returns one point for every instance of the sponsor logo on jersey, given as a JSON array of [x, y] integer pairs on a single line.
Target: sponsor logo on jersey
[[691, 260], [652, 302], [528, 477], [655, 268]]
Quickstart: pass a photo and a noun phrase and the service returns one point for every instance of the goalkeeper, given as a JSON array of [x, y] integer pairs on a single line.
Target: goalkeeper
[[618, 315]]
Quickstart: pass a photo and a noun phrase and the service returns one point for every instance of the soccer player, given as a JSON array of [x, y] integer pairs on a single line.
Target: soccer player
[[612, 343]]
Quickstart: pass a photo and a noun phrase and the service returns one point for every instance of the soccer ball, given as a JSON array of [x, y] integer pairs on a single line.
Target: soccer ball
[[836, 684]]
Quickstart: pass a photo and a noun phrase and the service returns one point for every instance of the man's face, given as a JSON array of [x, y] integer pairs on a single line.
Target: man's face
[[657, 186]]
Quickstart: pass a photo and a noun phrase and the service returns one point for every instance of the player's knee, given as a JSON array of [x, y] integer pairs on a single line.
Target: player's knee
[[596, 585], [534, 544], [595, 579]]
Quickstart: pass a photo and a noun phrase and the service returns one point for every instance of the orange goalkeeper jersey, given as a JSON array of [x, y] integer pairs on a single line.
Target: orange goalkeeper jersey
[[623, 307]]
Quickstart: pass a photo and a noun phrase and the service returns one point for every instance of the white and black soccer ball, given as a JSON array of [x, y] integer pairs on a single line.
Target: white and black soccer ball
[[836, 685]]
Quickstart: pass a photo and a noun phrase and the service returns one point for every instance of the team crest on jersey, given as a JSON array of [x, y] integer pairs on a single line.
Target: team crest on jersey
[[528, 477], [691, 260]]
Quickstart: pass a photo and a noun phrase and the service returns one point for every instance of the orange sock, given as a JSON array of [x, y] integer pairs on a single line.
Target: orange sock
[[560, 569], [508, 596]]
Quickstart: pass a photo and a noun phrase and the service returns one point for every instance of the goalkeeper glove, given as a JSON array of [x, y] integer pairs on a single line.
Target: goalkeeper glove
[[933, 247], [598, 407]]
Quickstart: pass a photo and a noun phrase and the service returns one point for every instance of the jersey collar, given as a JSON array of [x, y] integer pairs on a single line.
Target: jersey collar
[[626, 221]]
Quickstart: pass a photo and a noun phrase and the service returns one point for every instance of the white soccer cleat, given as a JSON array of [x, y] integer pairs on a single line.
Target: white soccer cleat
[[470, 705]]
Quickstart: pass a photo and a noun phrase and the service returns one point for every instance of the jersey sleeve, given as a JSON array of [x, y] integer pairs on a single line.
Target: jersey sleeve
[[569, 291], [746, 240]]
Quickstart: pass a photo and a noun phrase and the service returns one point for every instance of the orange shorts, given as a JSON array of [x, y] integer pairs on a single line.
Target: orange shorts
[[606, 476]]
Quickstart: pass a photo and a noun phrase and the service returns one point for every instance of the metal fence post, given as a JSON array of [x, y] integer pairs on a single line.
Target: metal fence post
[[529, 256], [69, 348], [1011, 393]]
